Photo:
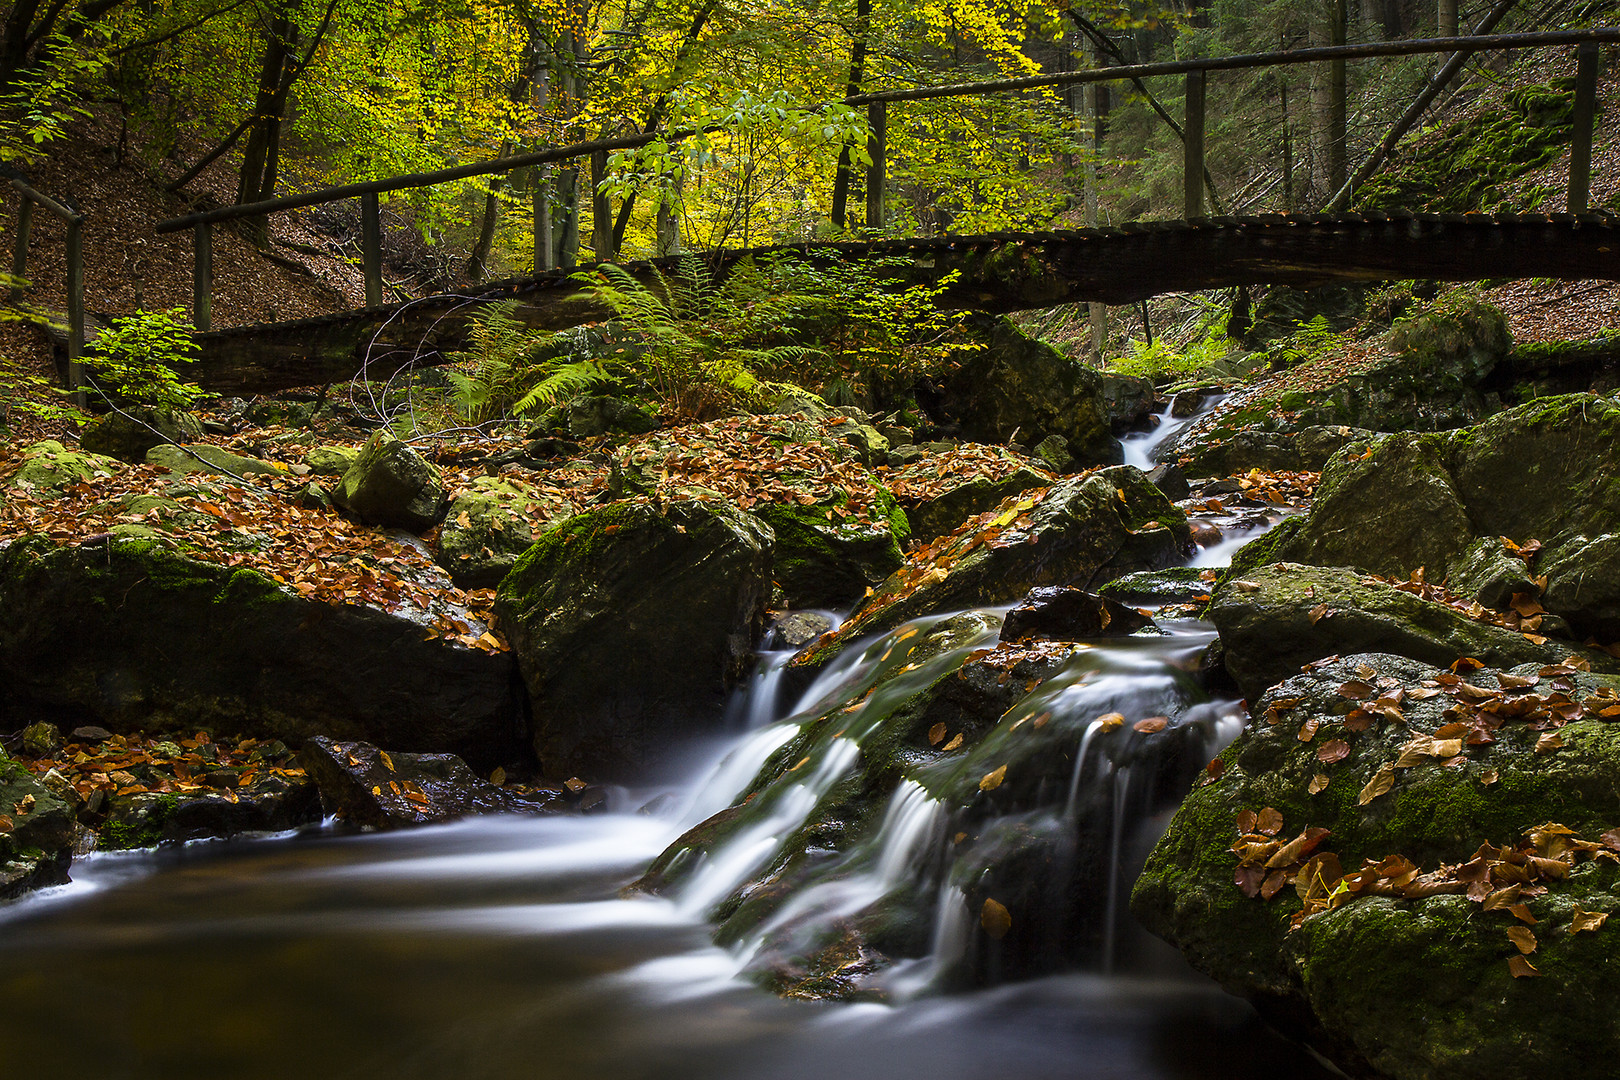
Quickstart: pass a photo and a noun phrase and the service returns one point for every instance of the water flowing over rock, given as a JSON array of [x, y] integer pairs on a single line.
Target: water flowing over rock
[[132, 635], [629, 623], [391, 484], [1411, 868], [1275, 619], [1544, 472], [943, 809], [370, 787]]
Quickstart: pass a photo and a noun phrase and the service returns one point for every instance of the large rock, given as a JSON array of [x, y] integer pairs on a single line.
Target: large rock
[[1271, 451], [36, 832], [128, 435], [629, 625], [205, 458], [1019, 389], [370, 787], [952, 499], [1445, 802], [132, 635], [48, 467], [1544, 471], [823, 562], [1275, 619], [1083, 531], [391, 484], [490, 524]]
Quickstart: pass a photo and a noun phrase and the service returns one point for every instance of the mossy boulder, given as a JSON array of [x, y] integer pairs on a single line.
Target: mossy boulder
[[1546, 471], [48, 467], [1275, 619], [128, 435], [492, 522], [36, 832], [604, 414], [962, 498], [391, 484], [206, 458], [1415, 982], [1176, 585], [1270, 451], [134, 635], [1019, 389], [825, 560], [330, 460], [630, 623], [1083, 531]]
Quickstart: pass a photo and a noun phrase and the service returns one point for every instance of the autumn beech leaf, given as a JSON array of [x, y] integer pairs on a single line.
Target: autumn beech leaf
[[1356, 690], [1152, 725], [1382, 781], [995, 919], [1270, 821], [936, 734], [1523, 939], [993, 779], [1586, 921], [1318, 784], [1520, 968], [1332, 751], [954, 744], [1109, 721]]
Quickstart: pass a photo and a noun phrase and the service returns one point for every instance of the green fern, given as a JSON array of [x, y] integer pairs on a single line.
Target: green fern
[[512, 371]]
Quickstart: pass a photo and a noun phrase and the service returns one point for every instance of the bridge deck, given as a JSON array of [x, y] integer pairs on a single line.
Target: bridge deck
[[999, 272]]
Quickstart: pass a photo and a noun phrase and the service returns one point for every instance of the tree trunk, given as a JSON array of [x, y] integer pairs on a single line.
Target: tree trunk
[[844, 177], [1328, 86]]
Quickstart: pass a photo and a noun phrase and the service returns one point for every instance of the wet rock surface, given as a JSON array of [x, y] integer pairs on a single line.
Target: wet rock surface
[[1365, 862], [630, 623], [391, 484], [1062, 613], [370, 787]]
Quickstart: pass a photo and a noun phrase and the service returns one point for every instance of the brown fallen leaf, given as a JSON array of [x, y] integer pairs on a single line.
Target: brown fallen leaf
[[953, 744], [1549, 742], [1489, 777], [936, 734], [1333, 750], [1522, 913], [1523, 939], [1270, 821], [992, 780], [1307, 730], [1318, 784], [575, 785], [1318, 613], [1520, 968], [1248, 819], [995, 919], [1356, 690], [388, 762], [498, 777], [1586, 920], [1109, 721], [1152, 725], [1382, 781]]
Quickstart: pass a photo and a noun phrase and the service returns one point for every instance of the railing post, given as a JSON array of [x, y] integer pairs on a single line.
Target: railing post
[[19, 257], [1580, 151], [545, 250], [1193, 147], [75, 307], [371, 248], [601, 212], [877, 119], [202, 276]]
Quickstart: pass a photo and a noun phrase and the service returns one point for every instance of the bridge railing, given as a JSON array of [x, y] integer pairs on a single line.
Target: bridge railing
[[74, 220], [1194, 71]]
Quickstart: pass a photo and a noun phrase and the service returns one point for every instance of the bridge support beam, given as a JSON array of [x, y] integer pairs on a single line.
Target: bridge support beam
[[1192, 171], [1580, 151]]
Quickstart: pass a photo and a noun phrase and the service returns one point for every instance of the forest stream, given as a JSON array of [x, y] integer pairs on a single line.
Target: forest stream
[[501, 946]]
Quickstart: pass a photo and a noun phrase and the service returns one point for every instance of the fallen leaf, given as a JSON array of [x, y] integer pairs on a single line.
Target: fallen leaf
[[388, 762], [575, 785], [1331, 751], [1270, 821], [1152, 725], [1522, 913], [1524, 939], [1356, 690], [1318, 613], [1382, 781], [1586, 920], [1109, 721], [1549, 742], [993, 779], [1520, 968], [954, 744], [995, 919], [936, 734], [1318, 784], [1489, 777], [498, 777]]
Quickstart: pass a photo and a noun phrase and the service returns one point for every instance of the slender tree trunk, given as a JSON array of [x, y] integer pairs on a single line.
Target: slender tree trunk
[[1328, 100], [844, 177], [1446, 18]]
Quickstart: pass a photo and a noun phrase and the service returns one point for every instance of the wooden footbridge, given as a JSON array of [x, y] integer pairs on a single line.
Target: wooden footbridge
[[999, 273]]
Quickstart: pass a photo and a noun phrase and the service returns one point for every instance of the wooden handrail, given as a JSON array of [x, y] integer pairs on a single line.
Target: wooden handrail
[[75, 273]]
